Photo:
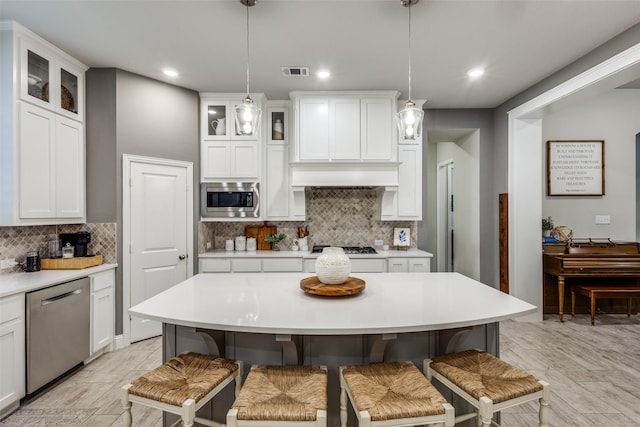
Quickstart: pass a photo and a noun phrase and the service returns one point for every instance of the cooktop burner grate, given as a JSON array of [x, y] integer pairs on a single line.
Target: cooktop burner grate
[[347, 249]]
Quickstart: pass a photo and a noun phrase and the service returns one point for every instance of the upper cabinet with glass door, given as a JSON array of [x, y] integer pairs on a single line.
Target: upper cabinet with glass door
[[51, 79], [218, 116]]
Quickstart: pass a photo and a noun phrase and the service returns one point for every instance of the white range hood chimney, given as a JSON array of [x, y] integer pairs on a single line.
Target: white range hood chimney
[[382, 175]]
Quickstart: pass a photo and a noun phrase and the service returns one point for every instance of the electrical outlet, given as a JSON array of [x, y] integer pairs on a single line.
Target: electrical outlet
[[378, 243], [208, 245], [7, 263], [603, 219]]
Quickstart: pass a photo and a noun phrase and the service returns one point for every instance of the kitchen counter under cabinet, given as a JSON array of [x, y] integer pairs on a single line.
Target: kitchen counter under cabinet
[[413, 260]]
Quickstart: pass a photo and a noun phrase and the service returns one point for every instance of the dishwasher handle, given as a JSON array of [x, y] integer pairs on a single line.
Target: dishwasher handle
[[61, 296]]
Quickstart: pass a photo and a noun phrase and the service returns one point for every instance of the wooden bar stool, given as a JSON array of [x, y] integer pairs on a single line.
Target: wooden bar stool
[[488, 384], [292, 396], [182, 386], [392, 394]]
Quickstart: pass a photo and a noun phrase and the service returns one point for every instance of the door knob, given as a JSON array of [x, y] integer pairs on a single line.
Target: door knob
[[181, 257]]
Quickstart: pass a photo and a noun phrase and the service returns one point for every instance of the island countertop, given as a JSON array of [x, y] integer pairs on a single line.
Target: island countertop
[[275, 304]]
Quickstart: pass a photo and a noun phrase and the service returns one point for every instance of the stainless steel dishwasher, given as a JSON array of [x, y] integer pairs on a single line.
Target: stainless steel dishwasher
[[58, 322]]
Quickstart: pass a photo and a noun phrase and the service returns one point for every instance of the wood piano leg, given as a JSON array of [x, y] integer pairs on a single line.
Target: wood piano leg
[[560, 296], [629, 307], [573, 303], [593, 310]]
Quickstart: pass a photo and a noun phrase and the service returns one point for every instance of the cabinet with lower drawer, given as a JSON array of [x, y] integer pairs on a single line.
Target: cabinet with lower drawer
[[249, 265]]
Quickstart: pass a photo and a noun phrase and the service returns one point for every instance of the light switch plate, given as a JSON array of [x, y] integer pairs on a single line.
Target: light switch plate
[[378, 243], [603, 219]]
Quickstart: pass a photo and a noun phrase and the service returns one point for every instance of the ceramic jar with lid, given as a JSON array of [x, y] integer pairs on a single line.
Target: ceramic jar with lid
[[333, 266]]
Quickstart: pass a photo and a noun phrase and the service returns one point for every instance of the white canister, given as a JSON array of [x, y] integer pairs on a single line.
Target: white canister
[[228, 245], [251, 244], [241, 243], [333, 266]]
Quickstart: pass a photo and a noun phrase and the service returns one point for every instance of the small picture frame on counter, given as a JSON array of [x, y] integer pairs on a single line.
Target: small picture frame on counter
[[401, 237]]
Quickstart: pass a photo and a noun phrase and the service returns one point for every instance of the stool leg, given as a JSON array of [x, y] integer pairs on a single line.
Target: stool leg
[[343, 401], [485, 411], [573, 303], [238, 379], [628, 307], [188, 412], [544, 405], [593, 311], [126, 404]]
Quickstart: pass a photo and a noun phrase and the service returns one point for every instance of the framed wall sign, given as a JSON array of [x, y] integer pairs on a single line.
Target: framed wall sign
[[402, 237], [575, 168]]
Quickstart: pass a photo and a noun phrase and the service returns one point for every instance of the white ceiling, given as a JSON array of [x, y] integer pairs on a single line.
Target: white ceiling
[[363, 42]]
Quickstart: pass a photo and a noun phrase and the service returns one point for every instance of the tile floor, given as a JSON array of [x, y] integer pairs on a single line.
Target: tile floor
[[594, 374]]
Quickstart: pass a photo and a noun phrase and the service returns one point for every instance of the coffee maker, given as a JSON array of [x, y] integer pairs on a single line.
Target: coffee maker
[[79, 241]]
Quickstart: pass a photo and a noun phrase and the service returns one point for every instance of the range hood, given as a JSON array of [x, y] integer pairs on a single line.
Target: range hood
[[384, 176], [344, 174]]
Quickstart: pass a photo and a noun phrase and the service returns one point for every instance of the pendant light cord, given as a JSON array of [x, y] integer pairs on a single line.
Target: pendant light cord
[[247, 49], [410, 50]]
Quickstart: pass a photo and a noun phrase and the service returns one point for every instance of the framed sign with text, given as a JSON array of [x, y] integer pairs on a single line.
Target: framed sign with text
[[575, 168]]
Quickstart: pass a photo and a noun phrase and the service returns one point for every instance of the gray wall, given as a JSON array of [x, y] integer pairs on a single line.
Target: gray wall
[[132, 114], [481, 119]]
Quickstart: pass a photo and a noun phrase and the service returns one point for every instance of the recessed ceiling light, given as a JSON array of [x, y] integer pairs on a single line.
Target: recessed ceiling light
[[170, 73], [476, 72], [323, 74]]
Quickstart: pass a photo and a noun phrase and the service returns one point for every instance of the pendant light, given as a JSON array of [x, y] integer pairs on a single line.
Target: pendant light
[[409, 119], [247, 114]]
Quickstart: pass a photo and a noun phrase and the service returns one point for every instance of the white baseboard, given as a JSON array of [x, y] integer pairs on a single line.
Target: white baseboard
[[119, 342]]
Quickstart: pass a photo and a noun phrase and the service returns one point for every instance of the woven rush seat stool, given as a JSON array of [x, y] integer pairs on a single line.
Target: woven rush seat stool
[[392, 394], [292, 396], [488, 384], [182, 385]]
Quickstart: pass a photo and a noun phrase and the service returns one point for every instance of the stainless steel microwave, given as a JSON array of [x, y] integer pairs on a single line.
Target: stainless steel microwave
[[229, 200]]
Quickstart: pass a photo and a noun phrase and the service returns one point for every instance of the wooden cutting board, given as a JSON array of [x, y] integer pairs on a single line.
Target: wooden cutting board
[[313, 285], [263, 232], [76, 263]]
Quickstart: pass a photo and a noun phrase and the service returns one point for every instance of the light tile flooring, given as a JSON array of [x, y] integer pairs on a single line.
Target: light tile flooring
[[594, 374]]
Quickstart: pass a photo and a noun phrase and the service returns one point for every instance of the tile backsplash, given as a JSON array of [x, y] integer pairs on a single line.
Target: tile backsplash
[[15, 242], [335, 216]]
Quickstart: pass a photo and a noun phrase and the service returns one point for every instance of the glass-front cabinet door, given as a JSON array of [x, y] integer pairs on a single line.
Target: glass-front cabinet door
[[37, 76], [71, 89], [215, 120]]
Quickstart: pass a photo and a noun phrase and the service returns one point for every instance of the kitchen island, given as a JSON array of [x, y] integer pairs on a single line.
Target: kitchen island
[[268, 319]]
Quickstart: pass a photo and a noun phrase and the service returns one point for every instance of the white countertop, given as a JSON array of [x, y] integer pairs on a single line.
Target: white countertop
[[391, 253], [275, 304], [16, 283]]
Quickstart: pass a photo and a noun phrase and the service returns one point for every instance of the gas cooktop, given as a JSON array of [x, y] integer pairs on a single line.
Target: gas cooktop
[[347, 249]]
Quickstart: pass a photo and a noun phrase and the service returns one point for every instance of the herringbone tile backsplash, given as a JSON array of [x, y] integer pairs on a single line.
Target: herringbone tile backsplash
[[335, 216], [15, 242]]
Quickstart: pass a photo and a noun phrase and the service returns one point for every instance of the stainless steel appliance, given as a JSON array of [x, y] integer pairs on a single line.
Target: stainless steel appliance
[[229, 200], [57, 331], [79, 241]]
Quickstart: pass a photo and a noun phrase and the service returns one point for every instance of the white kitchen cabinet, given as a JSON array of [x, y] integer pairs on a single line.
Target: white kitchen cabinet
[[345, 126], [217, 116], [102, 310], [410, 182], [249, 265], [358, 265], [222, 160], [12, 352], [377, 127], [42, 144], [50, 165], [410, 265], [276, 191]]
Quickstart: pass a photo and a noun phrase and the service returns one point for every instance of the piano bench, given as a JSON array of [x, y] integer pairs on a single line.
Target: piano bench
[[594, 292]]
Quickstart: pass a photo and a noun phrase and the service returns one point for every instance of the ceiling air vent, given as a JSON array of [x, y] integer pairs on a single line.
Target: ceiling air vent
[[295, 71]]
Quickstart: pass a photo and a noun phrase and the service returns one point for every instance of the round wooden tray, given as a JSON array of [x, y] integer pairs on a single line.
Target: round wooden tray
[[313, 285]]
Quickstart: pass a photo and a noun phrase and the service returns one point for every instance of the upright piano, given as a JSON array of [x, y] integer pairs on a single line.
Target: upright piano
[[587, 261]]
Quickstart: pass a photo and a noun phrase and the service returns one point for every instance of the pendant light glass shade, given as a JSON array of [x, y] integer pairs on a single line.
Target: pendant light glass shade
[[247, 114], [409, 119], [247, 117]]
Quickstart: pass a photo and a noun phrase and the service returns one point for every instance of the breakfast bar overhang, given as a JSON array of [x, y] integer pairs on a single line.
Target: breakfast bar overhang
[[268, 319]]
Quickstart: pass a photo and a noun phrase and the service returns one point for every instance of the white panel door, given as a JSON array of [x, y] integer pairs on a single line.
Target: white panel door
[[69, 168], [37, 162], [277, 182], [313, 133], [344, 128], [377, 129], [159, 250]]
